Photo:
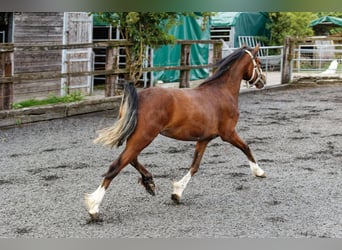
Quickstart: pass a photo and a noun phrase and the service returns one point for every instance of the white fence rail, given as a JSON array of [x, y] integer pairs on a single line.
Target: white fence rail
[[318, 59]]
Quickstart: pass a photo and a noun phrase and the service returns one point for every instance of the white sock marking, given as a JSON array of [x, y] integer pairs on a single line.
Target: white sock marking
[[93, 201], [179, 186], [256, 170]]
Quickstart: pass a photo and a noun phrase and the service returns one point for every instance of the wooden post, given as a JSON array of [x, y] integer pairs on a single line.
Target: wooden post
[[185, 61], [217, 54], [68, 70], [287, 61], [111, 63], [6, 89]]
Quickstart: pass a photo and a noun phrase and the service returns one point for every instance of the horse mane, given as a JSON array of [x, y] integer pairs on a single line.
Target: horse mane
[[224, 64]]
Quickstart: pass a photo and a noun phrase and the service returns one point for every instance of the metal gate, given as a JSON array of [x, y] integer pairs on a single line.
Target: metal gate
[[319, 57], [77, 29]]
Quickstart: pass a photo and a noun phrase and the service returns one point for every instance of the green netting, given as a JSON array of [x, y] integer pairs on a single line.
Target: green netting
[[189, 29]]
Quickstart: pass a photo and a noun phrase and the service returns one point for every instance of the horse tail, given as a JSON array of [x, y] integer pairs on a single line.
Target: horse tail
[[117, 134]]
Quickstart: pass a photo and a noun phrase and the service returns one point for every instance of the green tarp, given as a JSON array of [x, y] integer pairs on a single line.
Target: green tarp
[[244, 23], [189, 29], [224, 19]]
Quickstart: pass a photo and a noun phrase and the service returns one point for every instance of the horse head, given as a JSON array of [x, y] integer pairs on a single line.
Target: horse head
[[255, 75]]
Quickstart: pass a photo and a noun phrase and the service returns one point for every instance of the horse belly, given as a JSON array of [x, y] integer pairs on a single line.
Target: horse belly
[[187, 130]]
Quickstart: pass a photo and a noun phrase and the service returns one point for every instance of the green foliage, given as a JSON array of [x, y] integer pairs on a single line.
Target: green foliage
[[295, 24], [334, 14], [52, 99], [144, 29]]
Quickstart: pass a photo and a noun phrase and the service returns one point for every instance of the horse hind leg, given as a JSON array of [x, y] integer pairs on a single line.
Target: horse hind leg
[[92, 201], [135, 144], [146, 177]]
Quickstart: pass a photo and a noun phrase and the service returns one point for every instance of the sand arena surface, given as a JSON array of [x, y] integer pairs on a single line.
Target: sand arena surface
[[294, 133]]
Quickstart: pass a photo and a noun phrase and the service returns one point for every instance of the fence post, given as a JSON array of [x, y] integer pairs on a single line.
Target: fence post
[[111, 63], [217, 55], [287, 61], [185, 61], [6, 88]]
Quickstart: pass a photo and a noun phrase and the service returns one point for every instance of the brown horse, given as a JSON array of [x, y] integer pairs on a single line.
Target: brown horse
[[199, 114]]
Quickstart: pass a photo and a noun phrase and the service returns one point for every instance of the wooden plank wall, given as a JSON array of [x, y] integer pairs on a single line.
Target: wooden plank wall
[[37, 28]]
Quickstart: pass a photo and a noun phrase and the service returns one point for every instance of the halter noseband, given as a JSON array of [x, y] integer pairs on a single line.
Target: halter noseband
[[256, 69]]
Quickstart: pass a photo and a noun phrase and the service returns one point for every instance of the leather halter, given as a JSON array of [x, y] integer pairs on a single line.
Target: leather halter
[[256, 70]]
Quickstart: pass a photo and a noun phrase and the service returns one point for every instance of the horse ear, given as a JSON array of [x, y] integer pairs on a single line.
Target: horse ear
[[244, 45], [256, 49]]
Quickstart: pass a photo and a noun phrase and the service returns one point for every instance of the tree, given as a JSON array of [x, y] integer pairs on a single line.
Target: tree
[[144, 29], [335, 14], [295, 24]]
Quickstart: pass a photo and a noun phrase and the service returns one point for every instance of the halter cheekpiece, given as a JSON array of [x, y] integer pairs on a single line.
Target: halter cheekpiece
[[256, 70]]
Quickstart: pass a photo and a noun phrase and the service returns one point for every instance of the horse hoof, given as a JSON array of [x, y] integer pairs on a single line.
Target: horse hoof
[[263, 175], [151, 189], [95, 217], [175, 198]]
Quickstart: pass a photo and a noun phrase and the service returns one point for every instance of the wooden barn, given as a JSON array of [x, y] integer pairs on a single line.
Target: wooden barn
[[48, 28]]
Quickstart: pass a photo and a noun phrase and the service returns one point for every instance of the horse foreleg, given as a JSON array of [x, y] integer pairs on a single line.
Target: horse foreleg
[[146, 177], [236, 141], [179, 186]]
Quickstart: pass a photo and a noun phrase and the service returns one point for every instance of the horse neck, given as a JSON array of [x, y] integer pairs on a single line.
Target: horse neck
[[232, 79]]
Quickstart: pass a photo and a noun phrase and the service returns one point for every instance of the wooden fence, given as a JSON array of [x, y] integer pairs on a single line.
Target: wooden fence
[[111, 71]]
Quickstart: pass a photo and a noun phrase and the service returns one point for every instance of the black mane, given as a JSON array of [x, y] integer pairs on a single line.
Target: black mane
[[224, 64]]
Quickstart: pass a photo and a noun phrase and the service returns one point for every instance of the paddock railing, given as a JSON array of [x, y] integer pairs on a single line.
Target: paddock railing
[[10, 80], [312, 57], [318, 58]]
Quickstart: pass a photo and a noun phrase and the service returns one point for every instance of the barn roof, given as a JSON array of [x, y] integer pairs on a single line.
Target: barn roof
[[328, 21]]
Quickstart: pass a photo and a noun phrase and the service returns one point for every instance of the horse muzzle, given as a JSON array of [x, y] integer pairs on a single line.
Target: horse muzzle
[[260, 82]]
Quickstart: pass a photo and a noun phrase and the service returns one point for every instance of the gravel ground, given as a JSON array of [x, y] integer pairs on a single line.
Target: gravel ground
[[295, 133]]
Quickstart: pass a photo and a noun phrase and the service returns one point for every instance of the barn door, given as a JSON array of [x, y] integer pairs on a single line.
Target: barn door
[[77, 29]]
